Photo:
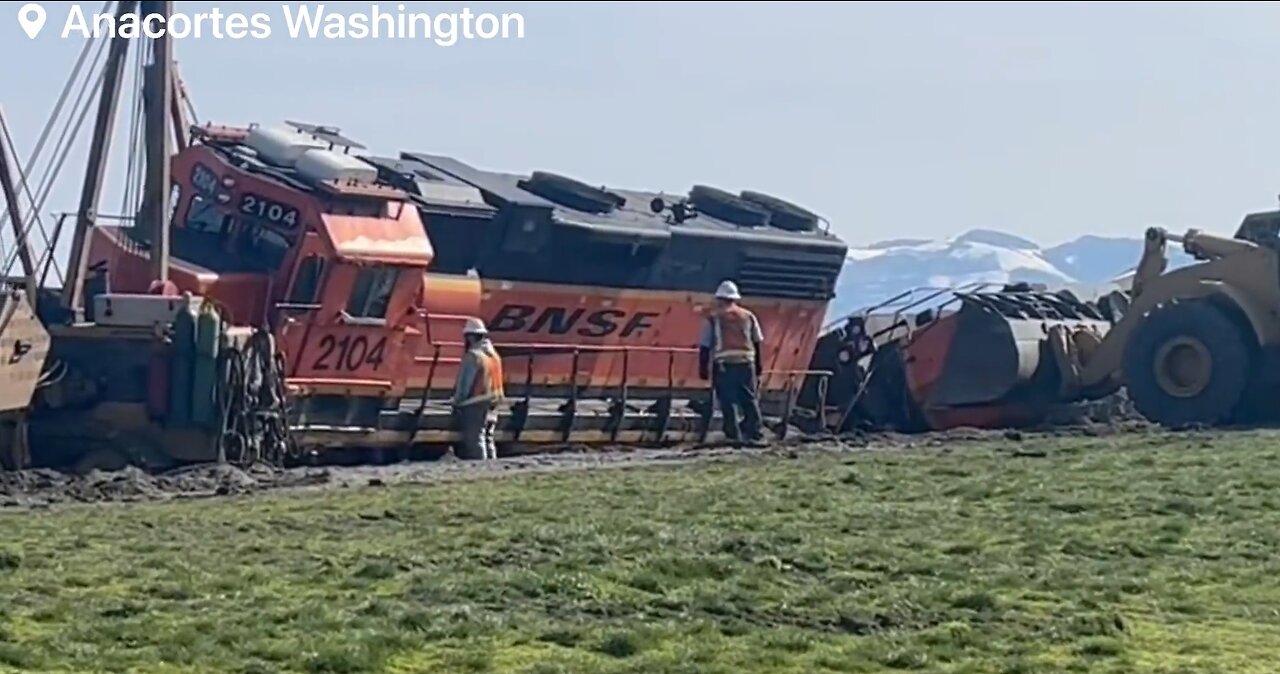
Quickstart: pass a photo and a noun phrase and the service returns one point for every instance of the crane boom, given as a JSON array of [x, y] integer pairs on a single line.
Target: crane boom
[[159, 99], [96, 167], [160, 103], [19, 232]]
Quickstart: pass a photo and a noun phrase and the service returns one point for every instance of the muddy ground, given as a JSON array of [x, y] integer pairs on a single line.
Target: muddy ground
[[44, 488]]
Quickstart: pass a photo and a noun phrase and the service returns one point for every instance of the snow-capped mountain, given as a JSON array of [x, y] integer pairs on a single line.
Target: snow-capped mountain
[[1095, 259], [882, 270]]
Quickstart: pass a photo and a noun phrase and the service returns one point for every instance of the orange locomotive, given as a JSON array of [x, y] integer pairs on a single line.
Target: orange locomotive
[[365, 269]]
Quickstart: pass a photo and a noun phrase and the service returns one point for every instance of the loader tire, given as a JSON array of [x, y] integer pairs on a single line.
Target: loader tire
[[1187, 364]]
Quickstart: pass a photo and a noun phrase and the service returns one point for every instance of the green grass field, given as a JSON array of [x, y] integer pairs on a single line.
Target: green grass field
[[1144, 553]]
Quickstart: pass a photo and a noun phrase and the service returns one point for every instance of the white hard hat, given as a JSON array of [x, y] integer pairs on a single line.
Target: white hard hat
[[475, 326], [728, 291]]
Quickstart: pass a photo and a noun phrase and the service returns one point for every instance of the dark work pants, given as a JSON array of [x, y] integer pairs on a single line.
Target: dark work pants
[[735, 385], [478, 423]]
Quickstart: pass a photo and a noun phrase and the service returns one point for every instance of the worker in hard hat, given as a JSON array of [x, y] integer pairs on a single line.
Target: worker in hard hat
[[730, 353], [477, 392]]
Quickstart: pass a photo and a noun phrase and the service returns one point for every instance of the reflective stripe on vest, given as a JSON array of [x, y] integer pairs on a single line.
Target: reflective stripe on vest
[[487, 384], [732, 331]]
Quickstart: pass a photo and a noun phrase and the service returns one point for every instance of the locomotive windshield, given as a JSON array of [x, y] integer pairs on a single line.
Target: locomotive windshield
[[220, 240]]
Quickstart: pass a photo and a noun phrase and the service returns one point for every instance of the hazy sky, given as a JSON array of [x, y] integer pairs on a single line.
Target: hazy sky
[[892, 120]]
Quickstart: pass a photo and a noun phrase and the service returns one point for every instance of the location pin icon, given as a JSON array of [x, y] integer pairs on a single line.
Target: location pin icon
[[31, 17]]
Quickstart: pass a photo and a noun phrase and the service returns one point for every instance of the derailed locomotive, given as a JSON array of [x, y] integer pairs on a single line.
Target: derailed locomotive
[[364, 268], [358, 272]]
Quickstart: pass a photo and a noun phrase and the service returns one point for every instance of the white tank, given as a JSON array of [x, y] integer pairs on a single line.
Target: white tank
[[326, 165], [281, 147]]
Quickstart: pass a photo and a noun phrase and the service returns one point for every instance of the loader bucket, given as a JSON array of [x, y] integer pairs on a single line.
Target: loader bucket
[[24, 347], [993, 350]]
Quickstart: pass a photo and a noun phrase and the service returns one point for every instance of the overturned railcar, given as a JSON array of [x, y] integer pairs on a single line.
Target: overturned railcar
[[977, 357]]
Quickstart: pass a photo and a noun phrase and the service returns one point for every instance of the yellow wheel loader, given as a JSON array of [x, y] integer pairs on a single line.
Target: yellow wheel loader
[[1196, 345]]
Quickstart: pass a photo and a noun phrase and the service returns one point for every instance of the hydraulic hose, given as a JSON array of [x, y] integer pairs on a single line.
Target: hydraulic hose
[[253, 405]]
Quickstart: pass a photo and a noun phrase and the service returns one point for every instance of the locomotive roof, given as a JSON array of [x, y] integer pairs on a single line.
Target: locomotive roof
[[634, 219], [442, 184], [434, 191]]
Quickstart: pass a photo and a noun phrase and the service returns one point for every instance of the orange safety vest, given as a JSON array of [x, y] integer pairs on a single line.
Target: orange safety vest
[[732, 335], [487, 384]]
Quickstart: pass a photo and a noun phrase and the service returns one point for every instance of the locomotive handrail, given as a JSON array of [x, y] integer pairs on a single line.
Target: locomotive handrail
[[295, 306], [937, 292], [569, 348], [934, 291], [340, 382], [866, 310], [892, 301], [920, 330], [540, 349], [596, 348], [532, 351], [955, 290], [818, 373]]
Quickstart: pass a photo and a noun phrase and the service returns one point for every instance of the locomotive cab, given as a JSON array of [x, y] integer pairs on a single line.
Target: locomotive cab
[[349, 319]]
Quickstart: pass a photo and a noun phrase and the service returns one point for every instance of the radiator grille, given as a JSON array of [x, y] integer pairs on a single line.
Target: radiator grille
[[793, 275]]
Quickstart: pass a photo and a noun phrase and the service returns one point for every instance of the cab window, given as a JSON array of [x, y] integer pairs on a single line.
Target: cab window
[[371, 292], [1262, 229], [306, 283], [206, 217], [267, 247]]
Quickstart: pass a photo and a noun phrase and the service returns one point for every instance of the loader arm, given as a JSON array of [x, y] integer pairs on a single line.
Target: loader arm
[[1154, 259]]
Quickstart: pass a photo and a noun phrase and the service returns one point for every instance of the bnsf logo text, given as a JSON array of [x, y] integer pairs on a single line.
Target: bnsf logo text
[[562, 321]]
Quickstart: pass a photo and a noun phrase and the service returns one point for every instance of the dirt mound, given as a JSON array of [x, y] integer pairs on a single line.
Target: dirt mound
[[47, 487]]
